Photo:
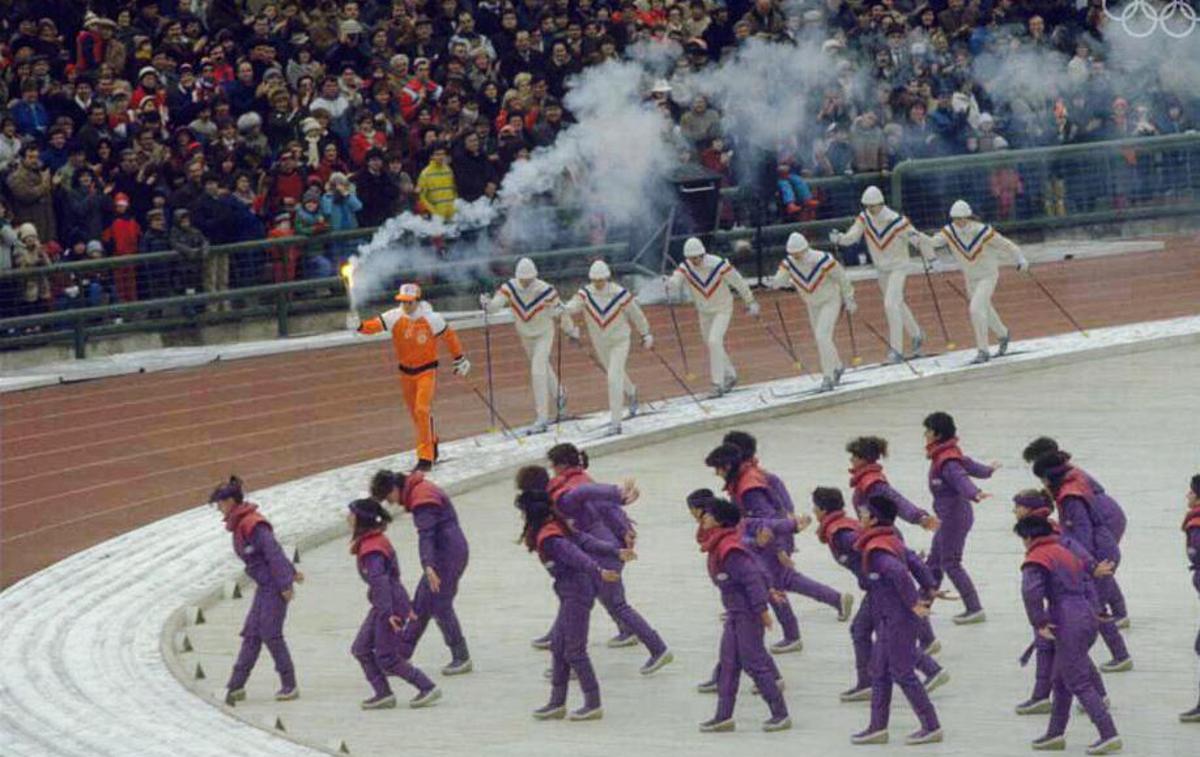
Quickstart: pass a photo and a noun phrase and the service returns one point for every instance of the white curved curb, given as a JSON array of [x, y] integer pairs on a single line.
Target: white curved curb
[[86, 651]]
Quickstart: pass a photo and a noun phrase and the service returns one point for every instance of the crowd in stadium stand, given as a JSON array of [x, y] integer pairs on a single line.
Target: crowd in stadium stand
[[135, 126]]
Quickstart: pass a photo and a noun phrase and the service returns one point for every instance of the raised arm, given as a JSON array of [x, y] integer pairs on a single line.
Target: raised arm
[[955, 474], [849, 236]]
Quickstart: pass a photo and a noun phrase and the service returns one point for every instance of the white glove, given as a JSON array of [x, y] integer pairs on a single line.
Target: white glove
[[753, 309], [462, 366], [648, 341], [484, 300], [353, 322], [1022, 264], [835, 237], [851, 305]]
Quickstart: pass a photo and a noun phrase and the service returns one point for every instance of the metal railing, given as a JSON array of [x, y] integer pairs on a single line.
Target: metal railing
[[1097, 183]]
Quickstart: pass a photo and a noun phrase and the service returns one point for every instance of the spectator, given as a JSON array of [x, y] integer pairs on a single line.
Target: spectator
[[340, 206], [192, 247], [31, 253], [29, 113], [123, 237], [366, 137], [436, 191], [155, 278], [699, 123], [285, 258], [310, 222], [795, 196], [10, 143], [867, 143], [83, 216], [32, 190], [472, 169], [377, 192]]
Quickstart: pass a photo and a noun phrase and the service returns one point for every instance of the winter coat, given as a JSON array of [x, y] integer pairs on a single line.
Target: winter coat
[[33, 201]]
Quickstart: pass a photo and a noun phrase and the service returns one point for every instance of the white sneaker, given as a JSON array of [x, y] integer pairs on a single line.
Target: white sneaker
[[586, 713], [969, 618], [939, 679], [718, 726], [847, 608], [1108, 746], [425, 698], [785, 646]]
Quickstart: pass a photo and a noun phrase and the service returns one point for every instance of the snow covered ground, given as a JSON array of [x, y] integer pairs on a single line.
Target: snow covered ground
[[1114, 414], [87, 656]]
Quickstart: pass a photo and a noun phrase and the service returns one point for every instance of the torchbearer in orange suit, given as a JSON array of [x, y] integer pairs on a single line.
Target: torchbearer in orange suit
[[416, 330]]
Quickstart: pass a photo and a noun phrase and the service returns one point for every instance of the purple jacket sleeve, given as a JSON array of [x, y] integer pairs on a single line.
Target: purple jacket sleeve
[[759, 510], [905, 509], [920, 571], [742, 568], [1193, 547], [594, 545], [843, 541], [1033, 593], [380, 592], [955, 474], [578, 497], [426, 521], [613, 516], [564, 551], [282, 570], [896, 573], [976, 469], [779, 489], [1078, 521]]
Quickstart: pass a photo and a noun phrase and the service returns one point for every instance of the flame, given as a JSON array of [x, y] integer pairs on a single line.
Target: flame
[[347, 272]]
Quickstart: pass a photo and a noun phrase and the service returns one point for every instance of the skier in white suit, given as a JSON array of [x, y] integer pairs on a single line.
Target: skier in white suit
[[535, 305], [609, 308], [710, 281], [824, 287], [888, 235], [979, 250]]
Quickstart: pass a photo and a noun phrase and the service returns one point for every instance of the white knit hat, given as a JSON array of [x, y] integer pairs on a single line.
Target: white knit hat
[[693, 248], [796, 243], [960, 209], [872, 196], [526, 269], [599, 271]]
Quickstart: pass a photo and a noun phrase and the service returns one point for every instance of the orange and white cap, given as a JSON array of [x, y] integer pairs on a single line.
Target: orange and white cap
[[409, 293]]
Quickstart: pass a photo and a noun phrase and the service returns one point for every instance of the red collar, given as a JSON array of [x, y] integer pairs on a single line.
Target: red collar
[[242, 519], [566, 481], [419, 492], [1049, 553], [941, 452], [864, 477], [749, 476], [718, 543], [549, 529], [371, 541], [1192, 519], [835, 522], [1074, 484], [879, 538]]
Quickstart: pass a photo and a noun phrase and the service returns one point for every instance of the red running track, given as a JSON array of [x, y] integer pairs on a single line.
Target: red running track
[[84, 462]]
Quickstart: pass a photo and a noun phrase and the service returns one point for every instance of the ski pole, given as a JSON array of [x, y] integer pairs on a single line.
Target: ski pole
[[680, 381], [503, 423], [1057, 304], [937, 307], [487, 351], [854, 357], [887, 344], [788, 336]]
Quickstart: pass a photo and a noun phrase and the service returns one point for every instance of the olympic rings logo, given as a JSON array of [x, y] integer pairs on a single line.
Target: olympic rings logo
[[1141, 18]]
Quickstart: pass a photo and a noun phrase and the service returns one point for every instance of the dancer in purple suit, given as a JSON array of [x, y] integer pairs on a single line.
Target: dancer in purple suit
[[1081, 519], [744, 597], [378, 645], [1054, 590], [1036, 503], [839, 532], [867, 480], [575, 577], [784, 575], [954, 496], [273, 574], [896, 607], [444, 553], [1191, 531], [1109, 512]]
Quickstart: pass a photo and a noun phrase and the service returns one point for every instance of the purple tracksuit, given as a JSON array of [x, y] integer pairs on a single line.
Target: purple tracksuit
[[743, 586], [443, 547], [1054, 589], [599, 526], [254, 542], [575, 575], [1191, 527], [1081, 522], [378, 648], [1110, 513], [869, 481], [891, 595], [954, 495], [840, 532], [1043, 683]]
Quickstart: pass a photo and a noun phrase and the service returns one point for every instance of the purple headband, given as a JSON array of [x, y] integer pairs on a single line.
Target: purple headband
[[227, 490], [366, 509], [1032, 501]]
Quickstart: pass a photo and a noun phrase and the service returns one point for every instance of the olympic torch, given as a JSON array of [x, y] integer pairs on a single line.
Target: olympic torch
[[346, 273]]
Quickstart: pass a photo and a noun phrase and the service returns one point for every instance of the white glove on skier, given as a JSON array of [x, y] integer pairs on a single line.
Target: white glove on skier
[[462, 366], [835, 237], [484, 301], [648, 342], [1023, 264], [850, 305], [353, 322], [753, 309]]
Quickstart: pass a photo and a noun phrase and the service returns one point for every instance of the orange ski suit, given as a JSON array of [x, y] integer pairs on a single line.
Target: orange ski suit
[[415, 340]]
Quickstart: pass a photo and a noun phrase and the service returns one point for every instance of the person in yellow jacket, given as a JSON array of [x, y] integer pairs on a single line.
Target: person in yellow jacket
[[416, 330], [435, 186]]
